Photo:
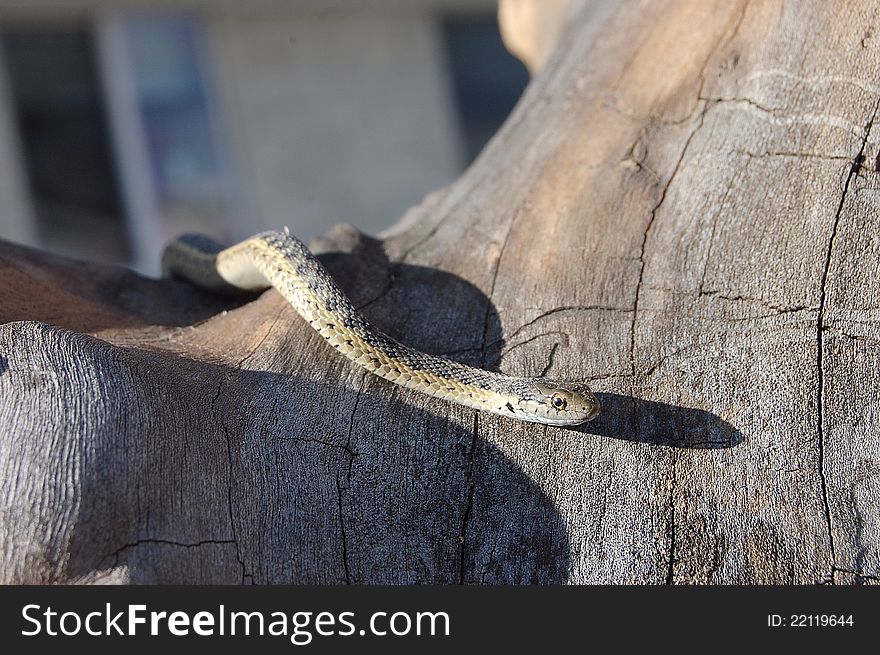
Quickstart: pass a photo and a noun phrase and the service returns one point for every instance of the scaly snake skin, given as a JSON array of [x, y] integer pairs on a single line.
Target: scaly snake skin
[[280, 260]]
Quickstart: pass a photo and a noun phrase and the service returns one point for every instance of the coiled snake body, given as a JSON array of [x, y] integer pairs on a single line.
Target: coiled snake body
[[280, 260]]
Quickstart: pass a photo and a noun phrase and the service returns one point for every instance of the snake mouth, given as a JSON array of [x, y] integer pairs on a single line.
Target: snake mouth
[[563, 422]]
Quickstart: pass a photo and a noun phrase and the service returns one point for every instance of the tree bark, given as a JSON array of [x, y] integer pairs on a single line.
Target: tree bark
[[683, 209]]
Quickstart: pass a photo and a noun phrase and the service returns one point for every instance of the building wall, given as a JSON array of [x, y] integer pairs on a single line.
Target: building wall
[[326, 112], [342, 119]]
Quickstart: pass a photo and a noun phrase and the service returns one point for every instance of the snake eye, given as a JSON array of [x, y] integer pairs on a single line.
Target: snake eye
[[558, 401]]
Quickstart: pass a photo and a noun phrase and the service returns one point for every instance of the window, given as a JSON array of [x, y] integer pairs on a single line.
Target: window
[[181, 141], [64, 139]]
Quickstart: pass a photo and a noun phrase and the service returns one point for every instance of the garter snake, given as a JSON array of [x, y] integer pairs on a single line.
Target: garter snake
[[280, 260]]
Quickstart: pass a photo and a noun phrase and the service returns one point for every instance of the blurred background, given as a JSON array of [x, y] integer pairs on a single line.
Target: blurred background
[[124, 123]]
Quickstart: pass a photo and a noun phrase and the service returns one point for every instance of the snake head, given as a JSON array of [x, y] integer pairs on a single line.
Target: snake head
[[560, 403]]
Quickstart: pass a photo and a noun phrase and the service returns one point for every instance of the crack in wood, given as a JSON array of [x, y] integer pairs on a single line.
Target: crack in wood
[[225, 428], [651, 220], [794, 154], [550, 358], [557, 310], [820, 332], [229, 495], [339, 488], [515, 346], [165, 542], [714, 229], [777, 310]]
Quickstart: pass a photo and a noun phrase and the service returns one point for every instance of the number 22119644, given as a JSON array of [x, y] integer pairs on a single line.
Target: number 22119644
[[809, 620]]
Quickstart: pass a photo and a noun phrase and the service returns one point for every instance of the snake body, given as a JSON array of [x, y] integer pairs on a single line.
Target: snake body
[[280, 260]]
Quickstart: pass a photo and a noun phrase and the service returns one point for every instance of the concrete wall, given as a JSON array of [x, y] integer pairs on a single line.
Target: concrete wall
[[335, 111], [334, 120]]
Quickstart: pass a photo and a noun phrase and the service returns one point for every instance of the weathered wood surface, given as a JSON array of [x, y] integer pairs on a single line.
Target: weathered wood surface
[[683, 208]]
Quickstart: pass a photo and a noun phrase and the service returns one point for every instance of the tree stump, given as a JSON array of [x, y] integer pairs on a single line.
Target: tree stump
[[683, 209]]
